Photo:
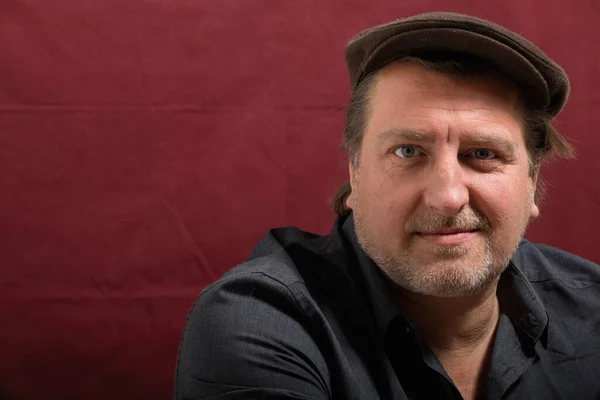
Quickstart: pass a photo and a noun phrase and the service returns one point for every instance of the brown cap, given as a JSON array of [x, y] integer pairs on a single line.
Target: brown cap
[[546, 83]]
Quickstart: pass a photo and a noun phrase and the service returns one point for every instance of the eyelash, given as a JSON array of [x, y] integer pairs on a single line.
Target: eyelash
[[417, 148]]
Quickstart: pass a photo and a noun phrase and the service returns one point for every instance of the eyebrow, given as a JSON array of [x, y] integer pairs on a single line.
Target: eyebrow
[[404, 135], [415, 136]]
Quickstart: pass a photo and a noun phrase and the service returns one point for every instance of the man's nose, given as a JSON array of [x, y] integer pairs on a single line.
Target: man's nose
[[446, 191]]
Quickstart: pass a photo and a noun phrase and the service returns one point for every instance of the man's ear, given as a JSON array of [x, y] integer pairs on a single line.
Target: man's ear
[[535, 211], [350, 198]]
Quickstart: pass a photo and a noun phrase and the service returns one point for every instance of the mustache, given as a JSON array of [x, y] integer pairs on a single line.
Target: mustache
[[467, 219]]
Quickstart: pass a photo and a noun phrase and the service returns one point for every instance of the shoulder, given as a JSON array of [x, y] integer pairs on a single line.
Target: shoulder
[[301, 266], [283, 261], [569, 288], [259, 292], [249, 332], [541, 263]]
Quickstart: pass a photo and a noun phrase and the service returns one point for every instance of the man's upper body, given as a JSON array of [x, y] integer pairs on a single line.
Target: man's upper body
[[312, 317], [448, 125]]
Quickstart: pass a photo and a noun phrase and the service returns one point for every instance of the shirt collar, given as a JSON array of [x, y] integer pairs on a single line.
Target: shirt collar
[[517, 297], [520, 302]]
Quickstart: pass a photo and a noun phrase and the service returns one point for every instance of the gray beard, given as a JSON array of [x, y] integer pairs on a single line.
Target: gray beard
[[458, 279], [453, 282]]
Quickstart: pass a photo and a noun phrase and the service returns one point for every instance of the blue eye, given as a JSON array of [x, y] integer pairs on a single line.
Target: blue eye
[[406, 151], [483, 154]]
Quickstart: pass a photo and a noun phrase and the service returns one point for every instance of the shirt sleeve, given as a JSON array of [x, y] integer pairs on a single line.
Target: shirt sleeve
[[247, 337]]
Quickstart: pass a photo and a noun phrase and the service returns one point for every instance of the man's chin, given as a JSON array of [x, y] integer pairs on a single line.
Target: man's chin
[[454, 273], [427, 254], [451, 282]]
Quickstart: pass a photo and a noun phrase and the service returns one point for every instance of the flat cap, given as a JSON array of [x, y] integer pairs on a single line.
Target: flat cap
[[544, 81]]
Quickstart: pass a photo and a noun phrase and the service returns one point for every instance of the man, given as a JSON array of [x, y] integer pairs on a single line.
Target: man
[[425, 288]]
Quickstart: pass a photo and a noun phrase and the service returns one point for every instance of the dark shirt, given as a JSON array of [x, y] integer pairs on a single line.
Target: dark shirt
[[312, 317]]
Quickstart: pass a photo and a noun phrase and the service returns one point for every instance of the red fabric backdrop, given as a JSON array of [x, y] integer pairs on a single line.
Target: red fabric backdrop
[[146, 145]]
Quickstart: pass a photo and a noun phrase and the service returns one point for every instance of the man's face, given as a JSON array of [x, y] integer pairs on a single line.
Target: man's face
[[442, 194]]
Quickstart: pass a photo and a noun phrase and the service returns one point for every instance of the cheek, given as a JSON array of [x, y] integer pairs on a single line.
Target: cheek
[[385, 203], [498, 198]]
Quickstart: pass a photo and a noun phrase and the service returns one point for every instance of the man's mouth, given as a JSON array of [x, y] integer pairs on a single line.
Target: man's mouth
[[446, 231], [447, 236]]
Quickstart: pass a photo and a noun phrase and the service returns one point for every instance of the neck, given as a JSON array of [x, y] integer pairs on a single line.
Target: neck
[[453, 325], [459, 331]]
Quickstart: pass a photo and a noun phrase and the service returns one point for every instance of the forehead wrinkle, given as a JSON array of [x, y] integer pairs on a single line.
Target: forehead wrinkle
[[456, 108]]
